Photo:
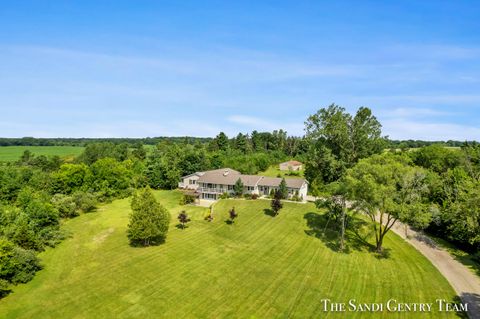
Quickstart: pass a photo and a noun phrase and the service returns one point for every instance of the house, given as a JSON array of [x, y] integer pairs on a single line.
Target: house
[[211, 184], [291, 166]]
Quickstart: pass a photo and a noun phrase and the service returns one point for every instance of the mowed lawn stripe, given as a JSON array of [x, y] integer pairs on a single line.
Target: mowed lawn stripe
[[261, 266]]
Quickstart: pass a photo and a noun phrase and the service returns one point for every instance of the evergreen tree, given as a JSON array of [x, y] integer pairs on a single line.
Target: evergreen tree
[[282, 189], [238, 188], [149, 220]]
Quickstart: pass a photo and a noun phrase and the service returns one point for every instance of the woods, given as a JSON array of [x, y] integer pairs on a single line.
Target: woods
[[432, 188]]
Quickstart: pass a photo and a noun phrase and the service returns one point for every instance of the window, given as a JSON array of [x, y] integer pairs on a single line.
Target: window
[[192, 182]]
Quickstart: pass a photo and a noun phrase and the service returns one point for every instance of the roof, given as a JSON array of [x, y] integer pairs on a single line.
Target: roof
[[224, 176], [228, 176], [275, 181], [293, 163], [193, 174], [250, 180]]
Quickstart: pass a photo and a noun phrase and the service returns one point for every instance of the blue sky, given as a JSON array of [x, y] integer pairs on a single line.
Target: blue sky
[[155, 68]]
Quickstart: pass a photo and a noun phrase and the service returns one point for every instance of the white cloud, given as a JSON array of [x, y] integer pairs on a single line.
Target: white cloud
[[249, 123], [404, 129]]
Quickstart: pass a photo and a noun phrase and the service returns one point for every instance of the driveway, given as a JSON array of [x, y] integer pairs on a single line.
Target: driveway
[[463, 280]]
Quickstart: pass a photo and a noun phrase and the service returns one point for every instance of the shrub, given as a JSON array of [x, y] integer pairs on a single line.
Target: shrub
[[65, 205], [187, 199], [248, 196], [254, 196], [85, 201], [225, 195]]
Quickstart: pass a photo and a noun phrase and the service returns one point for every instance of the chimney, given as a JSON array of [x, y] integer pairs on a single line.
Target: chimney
[[225, 173]]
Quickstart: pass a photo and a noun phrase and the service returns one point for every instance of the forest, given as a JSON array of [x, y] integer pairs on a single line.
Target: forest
[[339, 149]]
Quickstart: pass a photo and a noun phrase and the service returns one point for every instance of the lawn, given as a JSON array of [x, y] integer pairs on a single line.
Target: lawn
[[258, 267], [274, 171], [13, 153]]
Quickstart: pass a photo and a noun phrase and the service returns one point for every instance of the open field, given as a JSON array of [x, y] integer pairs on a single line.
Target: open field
[[13, 153], [259, 267], [274, 171]]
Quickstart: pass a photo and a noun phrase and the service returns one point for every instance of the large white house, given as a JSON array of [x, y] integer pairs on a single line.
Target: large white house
[[211, 184]]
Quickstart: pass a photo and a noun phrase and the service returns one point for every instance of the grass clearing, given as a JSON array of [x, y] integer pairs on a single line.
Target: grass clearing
[[259, 267], [13, 153]]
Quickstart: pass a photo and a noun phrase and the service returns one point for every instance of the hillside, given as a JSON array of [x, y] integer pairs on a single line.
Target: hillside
[[258, 267]]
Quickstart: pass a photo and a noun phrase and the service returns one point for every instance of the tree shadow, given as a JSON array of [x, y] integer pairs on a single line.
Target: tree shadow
[[152, 242], [181, 226], [228, 222], [384, 254], [5, 292], [320, 227], [426, 240], [473, 302], [269, 212]]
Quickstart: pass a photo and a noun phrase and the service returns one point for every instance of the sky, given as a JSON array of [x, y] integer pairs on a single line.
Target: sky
[[176, 68]]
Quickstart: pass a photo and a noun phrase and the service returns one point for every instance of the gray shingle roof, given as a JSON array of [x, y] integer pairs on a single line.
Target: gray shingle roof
[[275, 181], [227, 176], [224, 176]]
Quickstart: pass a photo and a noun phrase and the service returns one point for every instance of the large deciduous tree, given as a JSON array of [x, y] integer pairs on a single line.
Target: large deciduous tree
[[387, 189], [149, 220], [338, 140]]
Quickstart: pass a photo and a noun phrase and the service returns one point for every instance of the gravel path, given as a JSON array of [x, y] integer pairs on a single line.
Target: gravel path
[[462, 279]]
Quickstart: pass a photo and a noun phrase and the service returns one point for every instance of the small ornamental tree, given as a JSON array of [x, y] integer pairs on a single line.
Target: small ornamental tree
[[149, 220], [233, 215], [276, 203], [282, 189], [238, 188], [183, 218]]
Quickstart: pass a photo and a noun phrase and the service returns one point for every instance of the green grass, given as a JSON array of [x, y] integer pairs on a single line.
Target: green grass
[[259, 267], [274, 171], [13, 153]]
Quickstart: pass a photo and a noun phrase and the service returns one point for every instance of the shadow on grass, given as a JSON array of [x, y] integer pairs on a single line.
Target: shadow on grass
[[228, 222], [4, 292], [320, 227], [181, 226], [144, 244], [269, 212], [473, 303]]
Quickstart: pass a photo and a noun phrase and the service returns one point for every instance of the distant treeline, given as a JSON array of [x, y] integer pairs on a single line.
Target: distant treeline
[[32, 141], [419, 143]]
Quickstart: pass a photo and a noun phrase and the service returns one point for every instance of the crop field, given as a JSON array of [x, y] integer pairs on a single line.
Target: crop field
[[13, 153], [258, 267]]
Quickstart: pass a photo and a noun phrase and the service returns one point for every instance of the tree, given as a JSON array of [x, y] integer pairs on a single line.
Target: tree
[[336, 209], [378, 185], [338, 140], [220, 142], [282, 189], [238, 188], [233, 214], [276, 203], [17, 265], [149, 220], [183, 218]]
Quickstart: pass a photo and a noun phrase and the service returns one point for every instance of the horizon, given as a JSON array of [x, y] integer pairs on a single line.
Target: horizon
[[129, 70]]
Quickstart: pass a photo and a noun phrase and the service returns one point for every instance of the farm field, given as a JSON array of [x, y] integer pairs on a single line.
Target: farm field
[[13, 153], [274, 171], [258, 267]]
